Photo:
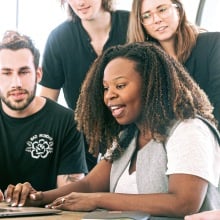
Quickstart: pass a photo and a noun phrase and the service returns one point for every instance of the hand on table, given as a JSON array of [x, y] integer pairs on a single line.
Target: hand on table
[[75, 202], [21, 195]]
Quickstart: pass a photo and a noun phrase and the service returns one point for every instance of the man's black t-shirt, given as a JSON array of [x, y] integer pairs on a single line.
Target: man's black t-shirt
[[39, 147]]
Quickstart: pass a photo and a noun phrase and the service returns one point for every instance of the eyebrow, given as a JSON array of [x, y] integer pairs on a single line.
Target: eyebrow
[[24, 68], [5, 69], [156, 8], [117, 78], [20, 69]]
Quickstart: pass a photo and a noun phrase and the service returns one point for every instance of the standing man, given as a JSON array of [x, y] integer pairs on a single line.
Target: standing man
[[39, 142]]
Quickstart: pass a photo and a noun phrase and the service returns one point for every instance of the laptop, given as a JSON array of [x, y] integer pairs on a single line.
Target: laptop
[[8, 211]]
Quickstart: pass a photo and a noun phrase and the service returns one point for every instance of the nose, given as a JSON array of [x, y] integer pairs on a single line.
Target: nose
[[156, 18], [16, 81], [81, 3], [110, 94]]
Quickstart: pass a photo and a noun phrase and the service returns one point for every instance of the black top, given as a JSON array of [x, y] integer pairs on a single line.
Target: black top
[[39, 147], [68, 54], [204, 66]]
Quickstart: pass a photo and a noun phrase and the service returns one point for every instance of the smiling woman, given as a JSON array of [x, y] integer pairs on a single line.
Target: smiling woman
[[131, 106], [166, 23]]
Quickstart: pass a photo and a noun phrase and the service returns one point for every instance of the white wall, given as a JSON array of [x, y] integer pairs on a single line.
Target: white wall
[[123, 4]]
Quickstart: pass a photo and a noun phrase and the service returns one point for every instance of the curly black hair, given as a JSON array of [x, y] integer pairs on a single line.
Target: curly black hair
[[169, 93]]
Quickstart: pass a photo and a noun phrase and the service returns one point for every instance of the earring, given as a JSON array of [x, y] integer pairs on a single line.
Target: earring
[[146, 37]]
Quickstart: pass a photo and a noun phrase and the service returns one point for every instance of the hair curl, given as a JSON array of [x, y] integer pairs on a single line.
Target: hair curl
[[169, 93]]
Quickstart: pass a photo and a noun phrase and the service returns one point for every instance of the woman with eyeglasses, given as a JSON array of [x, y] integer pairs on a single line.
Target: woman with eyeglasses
[[165, 22]]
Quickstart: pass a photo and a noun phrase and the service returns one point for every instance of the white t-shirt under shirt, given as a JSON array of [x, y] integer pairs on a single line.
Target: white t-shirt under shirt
[[127, 182], [192, 149]]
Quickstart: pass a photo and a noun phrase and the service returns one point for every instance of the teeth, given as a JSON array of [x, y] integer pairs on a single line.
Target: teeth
[[161, 28], [114, 107]]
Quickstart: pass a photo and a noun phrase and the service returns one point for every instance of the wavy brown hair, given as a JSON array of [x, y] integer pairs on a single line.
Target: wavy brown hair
[[107, 5], [186, 33], [169, 93], [14, 40]]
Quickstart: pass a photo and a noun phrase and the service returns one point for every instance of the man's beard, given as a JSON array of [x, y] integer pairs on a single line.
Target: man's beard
[[18, 106]]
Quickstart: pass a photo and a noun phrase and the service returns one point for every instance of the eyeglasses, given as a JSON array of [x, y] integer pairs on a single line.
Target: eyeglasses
[[163, 11]]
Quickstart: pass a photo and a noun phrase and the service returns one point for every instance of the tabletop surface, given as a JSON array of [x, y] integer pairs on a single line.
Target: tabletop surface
[[66, 215]]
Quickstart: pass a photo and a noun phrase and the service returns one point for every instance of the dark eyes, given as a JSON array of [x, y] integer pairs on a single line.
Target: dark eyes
[[24, 72], [105, 89], [5, 73], [118, 86], [160, 10]]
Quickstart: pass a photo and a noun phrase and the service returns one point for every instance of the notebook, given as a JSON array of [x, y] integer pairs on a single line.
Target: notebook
[[8, 211], [136, 215]]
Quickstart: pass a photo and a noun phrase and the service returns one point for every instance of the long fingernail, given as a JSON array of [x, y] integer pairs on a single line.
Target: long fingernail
[[13, 204]]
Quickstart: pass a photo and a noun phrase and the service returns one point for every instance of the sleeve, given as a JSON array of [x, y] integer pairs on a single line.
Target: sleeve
[[72, 159], [193, 149], [214, 73], [53, 75]]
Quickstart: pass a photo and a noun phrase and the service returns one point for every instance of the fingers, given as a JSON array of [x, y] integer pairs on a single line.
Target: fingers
[[17, 195], [57, 203], [1, 196], [9, 193], [24, 193], [36, 196]]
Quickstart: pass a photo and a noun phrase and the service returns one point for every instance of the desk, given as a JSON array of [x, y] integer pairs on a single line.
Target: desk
[[65, 215]]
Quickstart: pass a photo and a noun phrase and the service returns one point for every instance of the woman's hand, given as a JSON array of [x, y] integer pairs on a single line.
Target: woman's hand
[[76, 202], [23, 195]]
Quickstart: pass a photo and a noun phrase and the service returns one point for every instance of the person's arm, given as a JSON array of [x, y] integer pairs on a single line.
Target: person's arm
[[208, 215], [70, 178], [185, 195], [96, 180], [49, 93], [186, 153]]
